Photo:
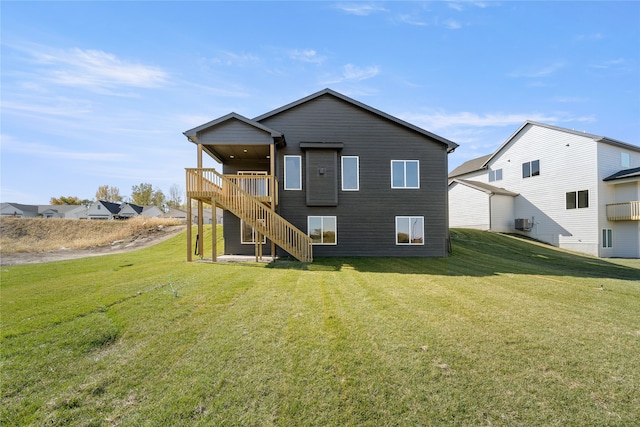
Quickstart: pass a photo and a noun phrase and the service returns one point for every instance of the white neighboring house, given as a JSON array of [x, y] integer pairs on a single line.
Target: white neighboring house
[[572, 189], [63, 211], [103, 210]]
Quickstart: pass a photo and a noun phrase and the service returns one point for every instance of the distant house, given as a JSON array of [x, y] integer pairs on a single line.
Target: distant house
[[571, 189], [18, 210], [325, 174], [63, 211], [129, 210], [151, 211], [103, 210]]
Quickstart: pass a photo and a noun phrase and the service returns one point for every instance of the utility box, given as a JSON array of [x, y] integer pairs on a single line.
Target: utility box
[[523, 224]]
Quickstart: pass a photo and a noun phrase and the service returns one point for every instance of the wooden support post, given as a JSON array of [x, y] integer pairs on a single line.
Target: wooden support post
[[200, 229], [214, 231], [189, 229], [274, 193]]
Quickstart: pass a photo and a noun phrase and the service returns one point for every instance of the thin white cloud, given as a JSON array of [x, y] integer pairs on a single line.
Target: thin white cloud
[[544, 71], [10, 144], [452, 24], [441, 120], [306, 55], [236, 59], [97, 69], [355, 73], [613, 63], [411, 19], [360, 9], [583, 37]]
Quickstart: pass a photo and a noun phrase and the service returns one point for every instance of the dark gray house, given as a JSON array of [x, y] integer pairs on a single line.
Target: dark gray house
[[324, 176]]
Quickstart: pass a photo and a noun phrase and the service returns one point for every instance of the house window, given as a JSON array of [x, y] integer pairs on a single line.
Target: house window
[[625, 160], [248, 234], [405, 174], [607, 238], [350, 173], [409, 230], [577, 199], [323, 230], [531, 168], [293, 172], [495, 175]]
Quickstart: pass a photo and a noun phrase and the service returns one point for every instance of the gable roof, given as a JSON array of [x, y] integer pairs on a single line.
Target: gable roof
[[114, 208], [596, 138], [23, 208], [482, 162], [484, 187], [328, 92], [624, 174], [470, 166], [192, 134]]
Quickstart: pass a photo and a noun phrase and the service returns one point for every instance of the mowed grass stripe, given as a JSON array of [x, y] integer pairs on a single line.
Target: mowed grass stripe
[[496, 334]]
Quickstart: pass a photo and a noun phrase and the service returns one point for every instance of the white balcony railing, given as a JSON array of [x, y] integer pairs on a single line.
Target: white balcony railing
[[628, 211]]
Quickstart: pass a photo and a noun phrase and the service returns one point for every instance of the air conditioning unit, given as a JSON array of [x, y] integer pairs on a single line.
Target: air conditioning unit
[[523, 224]]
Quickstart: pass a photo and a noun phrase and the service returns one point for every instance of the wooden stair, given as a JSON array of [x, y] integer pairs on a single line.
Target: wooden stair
[[210, 185]]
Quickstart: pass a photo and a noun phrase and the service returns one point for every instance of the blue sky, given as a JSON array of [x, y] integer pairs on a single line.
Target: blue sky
[[98, 93]]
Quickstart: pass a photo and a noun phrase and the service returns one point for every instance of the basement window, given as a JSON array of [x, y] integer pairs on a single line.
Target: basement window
[[409, 230], [323, 230]]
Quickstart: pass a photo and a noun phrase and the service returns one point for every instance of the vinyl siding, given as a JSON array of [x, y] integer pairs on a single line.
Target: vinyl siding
[[234, 132], [366, 218], [468, 207], [502, 213]]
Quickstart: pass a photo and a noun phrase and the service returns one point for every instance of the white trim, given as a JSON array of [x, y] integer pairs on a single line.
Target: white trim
[[322, 218], [285, 173], [404, 162], [421, 218], [357, 172]]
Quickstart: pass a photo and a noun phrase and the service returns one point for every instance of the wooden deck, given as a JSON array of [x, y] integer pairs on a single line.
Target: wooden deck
[[251, 198]]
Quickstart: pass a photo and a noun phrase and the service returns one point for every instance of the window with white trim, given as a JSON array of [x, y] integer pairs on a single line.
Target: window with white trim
[[409, 230], [293, 172], [530, 169], [350, 173], [405, 174], [323, 230], [625, 160], [577, 199], [607, 238], [248, 234], [495, 175]]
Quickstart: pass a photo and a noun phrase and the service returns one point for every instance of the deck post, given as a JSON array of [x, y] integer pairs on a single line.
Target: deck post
[[273, 192], [189, 229], [214, 231]]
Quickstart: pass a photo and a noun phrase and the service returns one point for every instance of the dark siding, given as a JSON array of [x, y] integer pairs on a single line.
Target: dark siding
[[232, 243], [366, 218], [234, 132], [322, 177]]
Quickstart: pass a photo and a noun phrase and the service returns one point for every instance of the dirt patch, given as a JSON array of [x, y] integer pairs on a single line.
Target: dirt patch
[[137, 238]]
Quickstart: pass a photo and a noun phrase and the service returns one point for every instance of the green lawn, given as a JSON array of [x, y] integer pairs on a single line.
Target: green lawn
[[503, 332]]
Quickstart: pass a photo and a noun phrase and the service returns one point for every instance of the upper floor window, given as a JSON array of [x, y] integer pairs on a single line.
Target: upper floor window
[[350, 173], [409, 230], [405, 174], [293, 172], [577, 199], [531, 168], [495, 175], [625, 160]]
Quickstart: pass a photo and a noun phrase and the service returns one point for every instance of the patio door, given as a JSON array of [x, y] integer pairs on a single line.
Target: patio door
[[255, 186]]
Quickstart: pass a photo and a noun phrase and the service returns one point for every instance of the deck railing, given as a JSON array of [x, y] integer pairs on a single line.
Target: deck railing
[[628, 211], [229, 193]]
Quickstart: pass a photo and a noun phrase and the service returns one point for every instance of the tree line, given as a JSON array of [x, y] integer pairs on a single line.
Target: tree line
[[143, 194]]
